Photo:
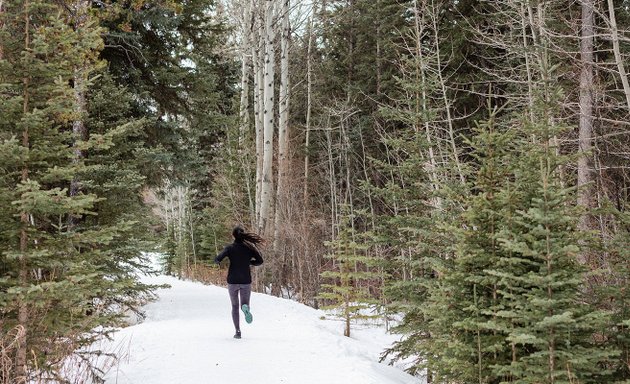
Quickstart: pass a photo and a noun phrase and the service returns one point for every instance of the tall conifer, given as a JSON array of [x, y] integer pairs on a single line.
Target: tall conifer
[[511, 309], [68, 267], [345, 291]]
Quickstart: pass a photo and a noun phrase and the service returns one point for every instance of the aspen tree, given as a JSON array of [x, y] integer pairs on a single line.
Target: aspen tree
[[309, 106], [265, 222], [421, 103], [258, 52], [433, 12], [1, 27], [614, 35], [283, 122], [246, 19], [246, 25]]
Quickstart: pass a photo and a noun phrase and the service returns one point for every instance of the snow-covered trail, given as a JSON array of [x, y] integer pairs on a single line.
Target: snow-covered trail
[[187, 339]]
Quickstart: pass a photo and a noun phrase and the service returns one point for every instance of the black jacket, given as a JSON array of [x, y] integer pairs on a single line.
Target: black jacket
[[241, 256]]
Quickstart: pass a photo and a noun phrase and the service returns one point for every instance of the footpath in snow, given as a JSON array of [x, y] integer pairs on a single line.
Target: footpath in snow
[[187, 339]]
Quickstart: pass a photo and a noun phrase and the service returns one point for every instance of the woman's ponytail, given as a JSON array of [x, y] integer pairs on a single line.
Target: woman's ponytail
[[240, 235]]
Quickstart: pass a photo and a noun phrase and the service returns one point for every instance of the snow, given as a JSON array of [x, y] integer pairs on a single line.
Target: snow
[[187, 338]]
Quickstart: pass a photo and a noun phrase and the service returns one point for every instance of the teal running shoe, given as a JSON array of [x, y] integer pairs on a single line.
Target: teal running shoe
[[248, 315]]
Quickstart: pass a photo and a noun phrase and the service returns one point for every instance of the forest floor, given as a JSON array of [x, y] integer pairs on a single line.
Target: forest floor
[[187, 338]]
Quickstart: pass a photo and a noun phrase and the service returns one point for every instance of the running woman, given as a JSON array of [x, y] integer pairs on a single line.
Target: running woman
[[242, 253]]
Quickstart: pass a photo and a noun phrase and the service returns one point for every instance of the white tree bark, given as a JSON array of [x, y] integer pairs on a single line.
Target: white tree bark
[[1, 28], [192, 232], [257, 48], [421, 100], [447, 103], [244, 14], [614, 34], [309, 91], [246, 53], [283, 122], [331, 179], [264, 222]]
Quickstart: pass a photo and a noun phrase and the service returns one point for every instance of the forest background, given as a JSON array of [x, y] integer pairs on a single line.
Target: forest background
[[463, 164]]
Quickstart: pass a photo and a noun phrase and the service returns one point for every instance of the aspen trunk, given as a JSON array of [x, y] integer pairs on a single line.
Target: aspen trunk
[[345, 148], [421, 100], [264, 223], [614, 32], [379, 61], [1, 28], [247, 60], [78, 126], [309, 91], [528, 64], [304, 261], [173, 215], [283, 123], [185, 266], [192, 233], [258, 66], [586, 195], [367, 180], [447, 103], [244, 105], [331, 180]]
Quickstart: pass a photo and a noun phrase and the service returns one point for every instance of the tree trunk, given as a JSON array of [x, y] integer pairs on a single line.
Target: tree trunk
[[244, 105], [79, 129], [247, 60], [309, 91], [421, 100], [331, 179], [258, 66], [447, 104], [1, 28], [192, 233], [379, 60], [283, 123], [264, 223], [586, 192], [614, 33], [78, 126]]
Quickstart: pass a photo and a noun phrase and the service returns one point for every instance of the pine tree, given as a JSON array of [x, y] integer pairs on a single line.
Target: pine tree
[[511, 309], [345, 294], [423, 172], [551, 326], [408, 237], [167, 55], [614, 295], [232, 194], [464, 301], [68, 257]]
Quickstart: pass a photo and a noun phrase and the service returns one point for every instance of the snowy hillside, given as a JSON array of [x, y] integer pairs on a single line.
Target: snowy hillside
[[187, 339]]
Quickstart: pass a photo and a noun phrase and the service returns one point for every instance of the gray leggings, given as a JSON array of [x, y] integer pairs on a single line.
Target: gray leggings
[[245, 292]]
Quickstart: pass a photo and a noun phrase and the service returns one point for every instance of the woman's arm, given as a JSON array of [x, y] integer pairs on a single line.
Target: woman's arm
[[222, 255], [257, 258]]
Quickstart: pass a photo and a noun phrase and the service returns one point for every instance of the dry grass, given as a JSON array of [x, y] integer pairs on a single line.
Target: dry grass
[[8, 347], [207, 275], [83, 366]]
